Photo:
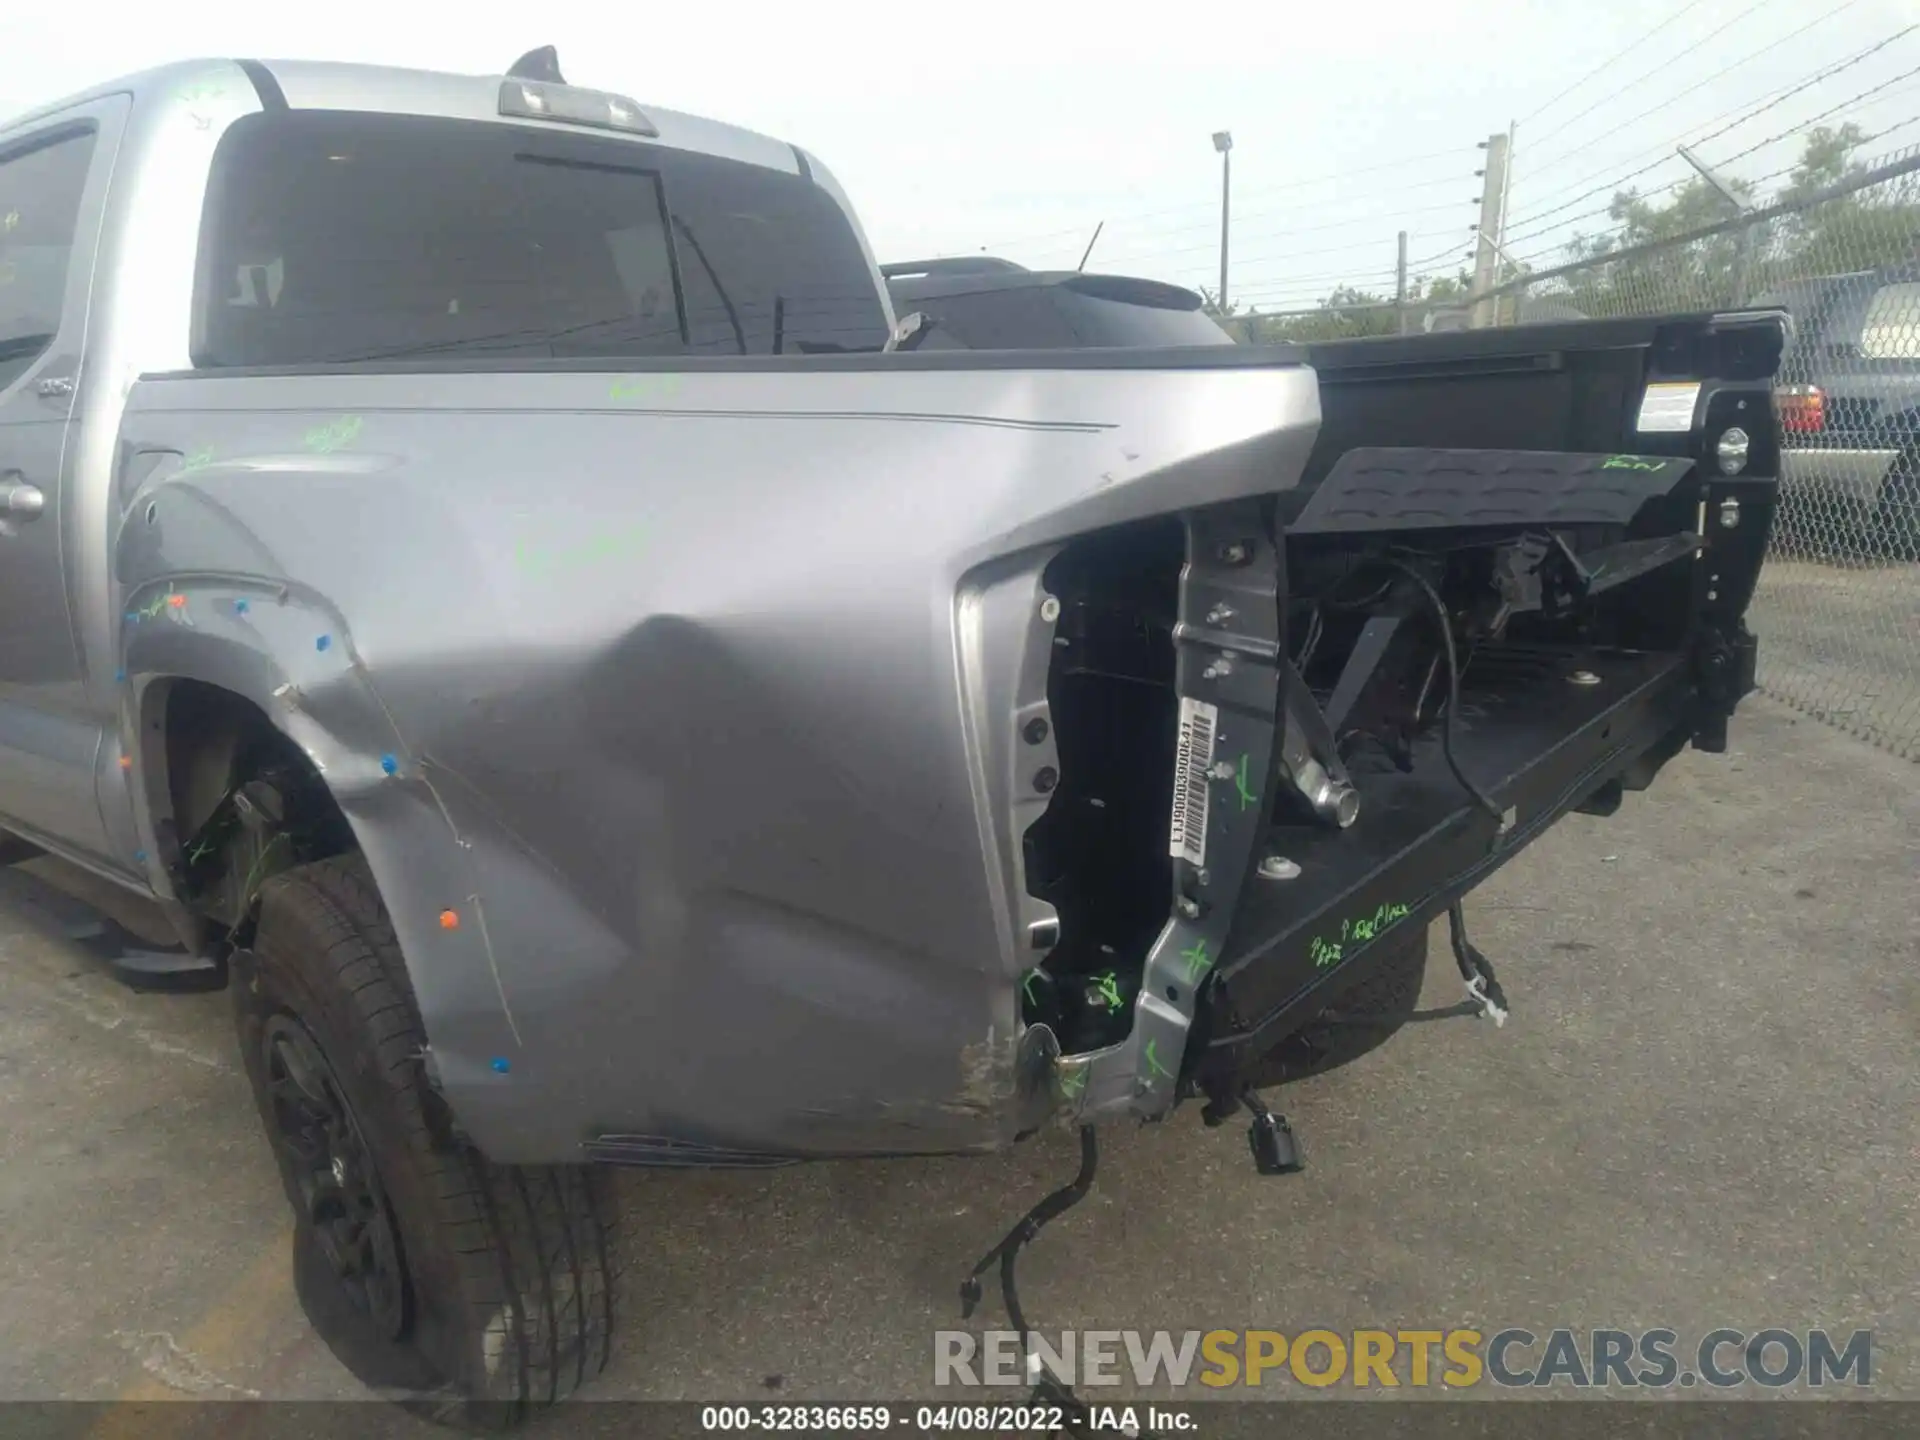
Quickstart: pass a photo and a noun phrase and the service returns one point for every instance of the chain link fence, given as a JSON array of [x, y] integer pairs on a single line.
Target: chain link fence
[[1838, 609]]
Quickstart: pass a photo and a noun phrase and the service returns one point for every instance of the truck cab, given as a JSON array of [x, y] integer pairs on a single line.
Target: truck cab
[[123, 208]]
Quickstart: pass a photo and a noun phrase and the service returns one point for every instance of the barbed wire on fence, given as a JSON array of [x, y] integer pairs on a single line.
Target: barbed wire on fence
[[1838, 607], [1839, 602]]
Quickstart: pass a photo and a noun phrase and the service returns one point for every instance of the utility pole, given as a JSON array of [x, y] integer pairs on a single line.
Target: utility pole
[[1493, 206], [1506, 185], [1400, 289], [1506, 194], [1223, 142]]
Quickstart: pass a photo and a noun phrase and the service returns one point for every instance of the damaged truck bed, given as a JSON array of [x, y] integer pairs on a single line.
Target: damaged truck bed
[[538, 627], [1507, 581]]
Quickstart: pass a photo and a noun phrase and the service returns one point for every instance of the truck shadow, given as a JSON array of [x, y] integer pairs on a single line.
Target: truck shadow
[[830, 1280], [111, 930]]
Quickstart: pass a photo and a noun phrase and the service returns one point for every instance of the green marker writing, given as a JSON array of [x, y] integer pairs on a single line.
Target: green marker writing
[[1247, 797], [1153, 1060], [1326, 952], [330, 437], [535, 561], [644, 387], [1196, 960]]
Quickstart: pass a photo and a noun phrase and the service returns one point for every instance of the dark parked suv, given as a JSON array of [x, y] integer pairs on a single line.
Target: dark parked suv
[[1849, 404], [982, 303]]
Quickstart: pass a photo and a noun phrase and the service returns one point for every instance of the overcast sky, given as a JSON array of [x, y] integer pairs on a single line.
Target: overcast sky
[[1018, 127]]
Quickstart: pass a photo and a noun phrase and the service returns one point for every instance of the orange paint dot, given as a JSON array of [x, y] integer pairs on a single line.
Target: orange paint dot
[[126, 762], [176, 601], [449, 920]]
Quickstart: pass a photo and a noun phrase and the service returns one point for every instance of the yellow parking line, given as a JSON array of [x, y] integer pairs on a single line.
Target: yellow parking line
[[229, 1335]]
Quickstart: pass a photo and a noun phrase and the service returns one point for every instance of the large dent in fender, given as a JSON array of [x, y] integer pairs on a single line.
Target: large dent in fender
[[723, 765]]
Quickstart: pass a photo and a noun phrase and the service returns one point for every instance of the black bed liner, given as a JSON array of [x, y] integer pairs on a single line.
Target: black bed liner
[[1569, 387], [1536, 741]]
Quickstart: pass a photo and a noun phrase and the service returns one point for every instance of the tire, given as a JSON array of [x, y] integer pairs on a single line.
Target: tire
[[1361, 1019], [1896, 517], [472, 1293]]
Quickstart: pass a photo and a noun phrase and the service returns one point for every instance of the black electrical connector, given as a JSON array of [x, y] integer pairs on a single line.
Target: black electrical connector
[[1276, 1149]]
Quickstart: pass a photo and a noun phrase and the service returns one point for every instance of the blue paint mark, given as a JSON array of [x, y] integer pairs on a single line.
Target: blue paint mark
[[120, 677], [323, 642], [132, 618], [140, 856], [500, 1065], [239, 607], [389, 764]]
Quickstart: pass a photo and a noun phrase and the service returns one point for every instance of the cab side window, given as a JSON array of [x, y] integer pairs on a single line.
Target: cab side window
[[41, 184]]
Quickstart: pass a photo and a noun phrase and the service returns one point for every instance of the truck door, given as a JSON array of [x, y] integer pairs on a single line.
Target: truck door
[[53, 175]]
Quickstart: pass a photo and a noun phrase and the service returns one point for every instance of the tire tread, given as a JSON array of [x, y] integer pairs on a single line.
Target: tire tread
[[519, 1235]]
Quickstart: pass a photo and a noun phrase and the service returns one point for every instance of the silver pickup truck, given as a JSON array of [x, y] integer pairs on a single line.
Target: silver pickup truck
[[483, 557]]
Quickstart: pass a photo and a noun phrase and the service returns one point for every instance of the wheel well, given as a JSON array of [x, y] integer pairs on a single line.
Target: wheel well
[[241, 802]]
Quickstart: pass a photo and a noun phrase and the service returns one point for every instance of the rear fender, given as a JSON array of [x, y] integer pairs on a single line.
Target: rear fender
[[291, 655]]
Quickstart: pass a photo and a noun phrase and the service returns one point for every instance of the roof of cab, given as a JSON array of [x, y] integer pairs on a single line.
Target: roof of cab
[[332, 85]]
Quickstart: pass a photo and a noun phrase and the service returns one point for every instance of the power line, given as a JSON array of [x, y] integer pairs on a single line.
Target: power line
[[1286, 288], [1290, 185], [1527, 260], [1612, 186], [1786, 134], [1600, 257], [1606, 209], [1685, 54], [1134, 235], [1309, 286], [1290, 230], [1815, 119], [1724, 71], [1816, 78], [1274, 257], [1776, 98], [1413, 265], [1617, 56], [1897, 125]]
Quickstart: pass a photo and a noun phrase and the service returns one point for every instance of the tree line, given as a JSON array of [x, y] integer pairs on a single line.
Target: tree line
[[1870, 229]]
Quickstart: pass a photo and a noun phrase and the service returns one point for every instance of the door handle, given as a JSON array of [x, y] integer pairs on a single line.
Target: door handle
[[19, 500]]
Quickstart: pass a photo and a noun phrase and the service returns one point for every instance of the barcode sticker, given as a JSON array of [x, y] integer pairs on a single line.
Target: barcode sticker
[[1668, 407], [1192, 762]]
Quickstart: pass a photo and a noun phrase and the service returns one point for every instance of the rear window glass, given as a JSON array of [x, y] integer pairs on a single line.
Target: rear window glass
[[1102, 322], [333, 237], [1051, 317]]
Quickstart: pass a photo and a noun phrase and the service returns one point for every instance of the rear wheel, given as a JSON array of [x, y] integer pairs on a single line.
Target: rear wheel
[[1361, 1020], [474, 1293], [1896, 519]]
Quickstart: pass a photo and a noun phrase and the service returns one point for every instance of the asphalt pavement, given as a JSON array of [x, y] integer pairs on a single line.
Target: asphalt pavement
[[1705, 1113]]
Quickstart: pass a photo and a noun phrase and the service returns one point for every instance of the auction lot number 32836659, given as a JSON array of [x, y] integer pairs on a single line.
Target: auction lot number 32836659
[[848, 1419]]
